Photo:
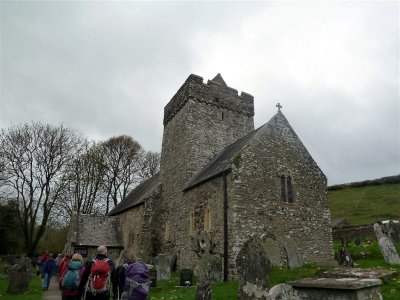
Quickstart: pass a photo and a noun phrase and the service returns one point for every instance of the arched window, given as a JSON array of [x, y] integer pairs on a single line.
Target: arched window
[[287, 189], [283, 188], [192, 225], [207, 219]]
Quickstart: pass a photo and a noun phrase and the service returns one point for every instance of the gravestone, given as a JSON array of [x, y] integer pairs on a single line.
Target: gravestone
[[293, 255], [204, 248], [344, 258], [393, 229], [357, 241], [253, 267], [152, 275], [162, 265], [387, 247], [272, 250], [20, 276], [186, 277], [216, 269], [283, 292]]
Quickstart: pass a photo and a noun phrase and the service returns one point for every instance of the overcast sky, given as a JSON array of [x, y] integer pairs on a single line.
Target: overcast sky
[[109, 68]]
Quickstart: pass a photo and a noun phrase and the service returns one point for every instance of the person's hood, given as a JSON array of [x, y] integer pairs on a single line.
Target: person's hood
[[74, 265]]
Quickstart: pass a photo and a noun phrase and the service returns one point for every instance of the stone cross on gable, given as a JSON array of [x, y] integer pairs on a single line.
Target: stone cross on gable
[[279, 106]]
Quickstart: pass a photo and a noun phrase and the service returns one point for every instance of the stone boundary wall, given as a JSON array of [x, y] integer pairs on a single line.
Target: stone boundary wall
[[351, 232]]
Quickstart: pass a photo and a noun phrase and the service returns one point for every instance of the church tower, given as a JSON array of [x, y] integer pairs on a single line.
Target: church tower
[[199, 121]]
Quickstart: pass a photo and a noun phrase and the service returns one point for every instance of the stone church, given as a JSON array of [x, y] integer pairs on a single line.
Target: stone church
[[219, 174]]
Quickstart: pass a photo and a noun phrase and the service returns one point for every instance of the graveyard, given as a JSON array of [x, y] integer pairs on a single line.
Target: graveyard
[[365, 252]]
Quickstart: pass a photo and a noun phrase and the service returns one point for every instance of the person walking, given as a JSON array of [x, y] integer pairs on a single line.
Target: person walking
[[125, 258], [96, 279], [49, 268], [71, 277]]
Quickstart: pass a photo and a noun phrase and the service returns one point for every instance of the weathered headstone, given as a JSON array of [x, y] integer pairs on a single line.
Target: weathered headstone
[[152, 275], [20, 276], [387, 247], [272, 249], [253, 267], [344, 258], [204, 248], [283, 292], [186, 277], [293, 255], [216, 269], [393, 229], [162, 265]]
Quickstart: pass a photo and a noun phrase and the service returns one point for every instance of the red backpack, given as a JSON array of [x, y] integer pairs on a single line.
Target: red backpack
[[100, 277]]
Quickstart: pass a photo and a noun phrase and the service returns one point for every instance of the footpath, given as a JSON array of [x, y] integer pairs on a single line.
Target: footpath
[[53, 293]]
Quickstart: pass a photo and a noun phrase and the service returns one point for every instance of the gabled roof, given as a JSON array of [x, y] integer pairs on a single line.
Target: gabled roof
[[137, 196], [221, 163]]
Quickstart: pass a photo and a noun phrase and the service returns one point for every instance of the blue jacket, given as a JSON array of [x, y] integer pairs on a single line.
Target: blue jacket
[[49, 266]]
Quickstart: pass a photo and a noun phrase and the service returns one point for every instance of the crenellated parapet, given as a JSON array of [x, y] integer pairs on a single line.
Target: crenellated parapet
[[214, 92]]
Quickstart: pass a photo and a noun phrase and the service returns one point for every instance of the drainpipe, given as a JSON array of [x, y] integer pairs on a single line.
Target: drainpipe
[[225, 187]]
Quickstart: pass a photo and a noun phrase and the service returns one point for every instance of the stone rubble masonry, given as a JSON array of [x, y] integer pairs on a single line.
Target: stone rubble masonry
[[200, 121]]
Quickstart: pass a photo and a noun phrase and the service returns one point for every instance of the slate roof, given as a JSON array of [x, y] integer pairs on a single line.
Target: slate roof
[[221, 163], [137, 196]]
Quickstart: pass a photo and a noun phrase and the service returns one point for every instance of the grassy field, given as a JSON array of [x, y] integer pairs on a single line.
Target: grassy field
[[367, 204]]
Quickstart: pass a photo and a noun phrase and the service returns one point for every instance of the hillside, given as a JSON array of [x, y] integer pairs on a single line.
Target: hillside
[[366, 204]]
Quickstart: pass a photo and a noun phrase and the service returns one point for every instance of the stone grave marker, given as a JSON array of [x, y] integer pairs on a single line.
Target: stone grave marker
[[216, 269], [162, 265], [253, 267], [283, 292], [152, 275], [204, 248], [387, 247], [186, 277], [293, 255], [272, 249], [20, 276], [344, 258]]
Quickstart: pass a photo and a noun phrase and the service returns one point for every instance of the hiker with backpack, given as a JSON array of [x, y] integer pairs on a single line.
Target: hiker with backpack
[[71, 278], [96, 279], [49, 268], [131, 279]]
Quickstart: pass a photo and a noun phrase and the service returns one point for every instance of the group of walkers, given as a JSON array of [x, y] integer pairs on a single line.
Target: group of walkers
[[98, 278]]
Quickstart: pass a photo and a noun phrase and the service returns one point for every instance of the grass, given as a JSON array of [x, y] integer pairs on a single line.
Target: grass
[[34, 293], [168, 290], [366, 205]]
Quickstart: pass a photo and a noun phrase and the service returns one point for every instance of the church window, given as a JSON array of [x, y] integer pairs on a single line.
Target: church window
[[166, 234], [192, 224], [207, 219], [286, 189], [283, 189], [289, 190]]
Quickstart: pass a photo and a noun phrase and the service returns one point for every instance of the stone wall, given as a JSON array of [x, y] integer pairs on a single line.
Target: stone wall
[[255, 194], [140, 227], [200, 120]]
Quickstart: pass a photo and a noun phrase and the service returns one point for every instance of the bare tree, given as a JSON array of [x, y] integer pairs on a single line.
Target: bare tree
[[34, 157], [85, 181], [121, 157], [150, 164]]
